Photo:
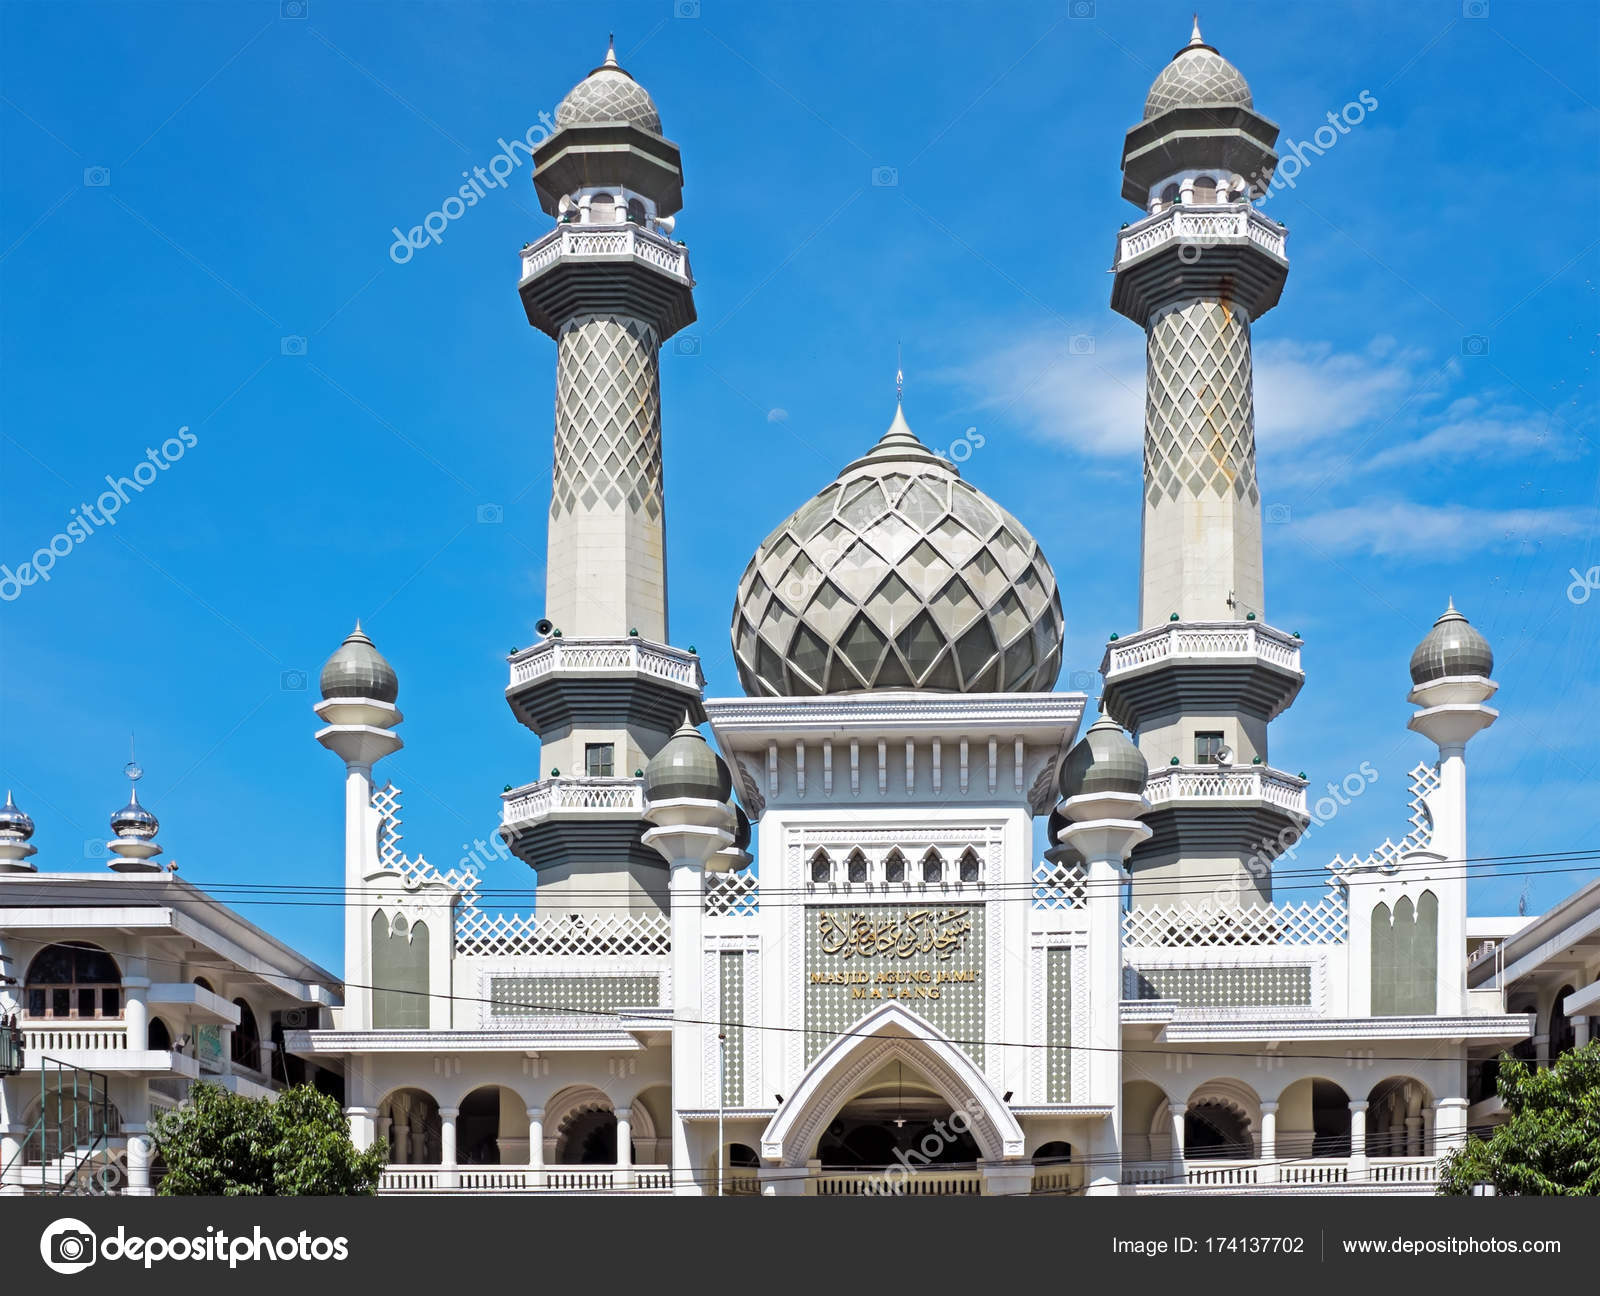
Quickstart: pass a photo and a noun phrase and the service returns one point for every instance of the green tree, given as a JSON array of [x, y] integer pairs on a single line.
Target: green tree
[[294, 1145], [1550, 1145]]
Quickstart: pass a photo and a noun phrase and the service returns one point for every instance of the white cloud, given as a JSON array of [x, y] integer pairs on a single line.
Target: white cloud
[[1399, 528]]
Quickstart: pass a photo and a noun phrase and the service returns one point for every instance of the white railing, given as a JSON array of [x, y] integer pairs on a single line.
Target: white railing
[[1405, 1174], [886, 1183], [1323, 922], [1059, 886], [606, 656], [1227, 783], [565, 935], [605, 796], [732, 895], [66, 1038], [1208, 639], [606, 241], [524, 1179], [1203, 225], [1222, 1172]]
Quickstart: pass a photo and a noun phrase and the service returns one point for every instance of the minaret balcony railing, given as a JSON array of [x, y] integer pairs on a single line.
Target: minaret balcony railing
[[1209, 783], [607, 798], [606, 243], [1201, 226], [1204, 639], [606, 657]]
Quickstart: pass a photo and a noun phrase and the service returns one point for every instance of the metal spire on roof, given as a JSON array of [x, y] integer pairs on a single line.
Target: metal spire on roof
[[611, 51], [1197, 38]]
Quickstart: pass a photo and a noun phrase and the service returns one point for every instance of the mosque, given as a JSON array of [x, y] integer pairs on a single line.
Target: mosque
[[902, 918]]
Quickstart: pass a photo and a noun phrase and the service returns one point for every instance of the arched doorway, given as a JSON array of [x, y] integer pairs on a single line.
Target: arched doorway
[[1395, 1122], [487, 1117], [895, 1116], [245, 1050], [1213, 1128], [73, 979], [414, 1128], [1313, 1120], [1563, 1035]]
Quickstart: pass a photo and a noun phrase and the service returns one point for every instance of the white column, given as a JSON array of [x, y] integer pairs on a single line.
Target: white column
[[625, 1147], [1451, 886], [136, 1011], [362, 1125], [357, 806], [536, 1178], [1358, 1140], [10, 1137], [687, 899], [1580, 1031], [1178, 1111], [1427, 1132], [1450, 1126], [1104, 895], [1269, 1142], [382, 1139], [448, 1178], [138, 1161]]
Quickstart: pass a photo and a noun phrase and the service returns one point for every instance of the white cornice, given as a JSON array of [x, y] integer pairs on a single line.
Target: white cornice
[[575, 1033], [1489, 1028], [741, 723]]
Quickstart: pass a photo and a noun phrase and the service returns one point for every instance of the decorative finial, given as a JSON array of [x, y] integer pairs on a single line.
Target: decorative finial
[[1197, 38], [899, 376], [611, 50]]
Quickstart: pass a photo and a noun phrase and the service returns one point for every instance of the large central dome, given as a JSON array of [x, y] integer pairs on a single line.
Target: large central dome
[[898, 575]]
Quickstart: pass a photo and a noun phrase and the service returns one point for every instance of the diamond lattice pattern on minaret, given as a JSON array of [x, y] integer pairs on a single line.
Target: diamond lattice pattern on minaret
[[608, 419], [1199, 409]]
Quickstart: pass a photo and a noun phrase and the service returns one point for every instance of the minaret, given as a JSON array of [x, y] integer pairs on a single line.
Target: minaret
[[134, 846], [602, 689], [1203, 675], [359, 689], [16, 828]]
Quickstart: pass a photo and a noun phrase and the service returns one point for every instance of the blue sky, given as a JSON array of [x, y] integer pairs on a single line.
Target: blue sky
[[198, 182]]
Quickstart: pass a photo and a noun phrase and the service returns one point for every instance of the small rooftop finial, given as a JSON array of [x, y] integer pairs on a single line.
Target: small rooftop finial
[[1197, 38], [611, 50], [899, 376]]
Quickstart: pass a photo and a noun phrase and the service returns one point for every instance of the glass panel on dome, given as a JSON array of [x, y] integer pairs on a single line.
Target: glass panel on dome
[[975, 651], [985, 576], [1019, 663], [954, 541], [925, 569], [1009, 617], [892, 674], [892, 485], [955, 605], [891, 535], [813, 516], [809, 654], [863, 644], [921, 505], [943, 675], [864, 507], [893, 604], [858, 571], [973, 509]]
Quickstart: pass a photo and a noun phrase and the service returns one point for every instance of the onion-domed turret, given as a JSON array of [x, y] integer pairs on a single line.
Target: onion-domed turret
[[1452, 648], [899, 575], [687, 767], [15, 824], [1104, 760], [1198, 76], [133, 820], [358, 670], [609, 94]]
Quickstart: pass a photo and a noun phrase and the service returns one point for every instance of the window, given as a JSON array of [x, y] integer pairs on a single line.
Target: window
[[894, 867], [598, 759], [74, 980], [1206, 748], [821, 866], [246, 1047], [856, 867], [970, 868], [932, 867], [1205, 189]]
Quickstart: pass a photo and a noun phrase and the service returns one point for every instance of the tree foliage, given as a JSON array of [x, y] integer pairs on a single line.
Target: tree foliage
[[295, 1145], [1550, 1143]]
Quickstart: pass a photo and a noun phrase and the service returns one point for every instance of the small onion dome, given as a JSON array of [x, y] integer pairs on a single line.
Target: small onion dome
[[1105, 760], [1452, 647], [359, 670], [687, 767], [1197, 75], [609, 94], [15, 825], [133, 820]]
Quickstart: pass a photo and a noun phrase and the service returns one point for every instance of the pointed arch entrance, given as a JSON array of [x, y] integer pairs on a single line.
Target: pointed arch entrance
[[892, 1055]]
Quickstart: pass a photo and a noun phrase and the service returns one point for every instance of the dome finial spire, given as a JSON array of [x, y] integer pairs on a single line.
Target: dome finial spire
[[899, 376], [1197, 38], [611, 50]]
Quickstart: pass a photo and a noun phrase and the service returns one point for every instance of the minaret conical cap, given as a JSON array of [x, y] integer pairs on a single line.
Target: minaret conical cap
[[358, 670], [1453, 647]]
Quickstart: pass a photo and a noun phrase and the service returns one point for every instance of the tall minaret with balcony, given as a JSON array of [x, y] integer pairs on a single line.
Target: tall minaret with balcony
[[1204, 674], [602, 689]]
